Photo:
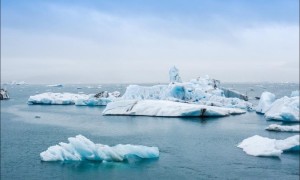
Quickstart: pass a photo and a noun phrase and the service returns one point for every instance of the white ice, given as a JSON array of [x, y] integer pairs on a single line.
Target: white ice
[[295, 93], [174, 75], [51, 98], [200, 91], [165, 108], [262, 146], [284, 109], [265, 102], [276, 127], [80, 148], [55, 85]]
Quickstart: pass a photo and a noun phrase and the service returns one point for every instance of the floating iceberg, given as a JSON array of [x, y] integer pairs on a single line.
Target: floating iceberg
[[202, 91], [276, 127], [295, 93], [55, 85], [262, 146], [50, 98], [284, 109], [265, 102], [165, 108], [80, 148], [197, 91]]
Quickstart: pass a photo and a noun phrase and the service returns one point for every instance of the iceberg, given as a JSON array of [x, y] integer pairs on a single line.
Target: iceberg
[[80, 148], [284, 109], [295, 93], [202, 90], [50, 98], [174, 75], [55, 85], [276, 127], [197, 91], [262, 146], [265, 102], [165, 108], [3, 94]]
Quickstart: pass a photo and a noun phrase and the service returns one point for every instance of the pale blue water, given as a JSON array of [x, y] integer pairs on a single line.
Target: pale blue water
[[190, 148]]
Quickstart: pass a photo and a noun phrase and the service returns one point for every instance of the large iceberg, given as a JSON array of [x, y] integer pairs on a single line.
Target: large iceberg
[[276, 127], [80, 148], [265, 102], [165, 108], [51, 98], [199, 91], [262, 146]]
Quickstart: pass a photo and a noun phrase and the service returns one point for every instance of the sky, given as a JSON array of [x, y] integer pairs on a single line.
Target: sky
[[137, 41]]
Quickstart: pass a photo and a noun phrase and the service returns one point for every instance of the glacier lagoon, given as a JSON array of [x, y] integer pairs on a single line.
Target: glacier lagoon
[[190, 148]]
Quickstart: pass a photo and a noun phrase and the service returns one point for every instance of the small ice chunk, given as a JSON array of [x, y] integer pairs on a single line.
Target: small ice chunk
[[262, 146], [55, 85], [276, 127], [80, 148], [295, 93]]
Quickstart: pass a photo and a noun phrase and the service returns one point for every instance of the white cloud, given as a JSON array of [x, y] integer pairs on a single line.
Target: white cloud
[[90, 46]]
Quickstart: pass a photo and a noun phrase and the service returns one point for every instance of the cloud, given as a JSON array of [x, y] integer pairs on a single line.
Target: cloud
[[92, 46]]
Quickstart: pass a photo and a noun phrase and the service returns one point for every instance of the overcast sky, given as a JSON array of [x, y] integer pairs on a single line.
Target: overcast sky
[[134, 41]]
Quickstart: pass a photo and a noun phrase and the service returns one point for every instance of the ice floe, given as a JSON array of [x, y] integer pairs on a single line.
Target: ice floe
[[51, 98], [265, 102], [80, 148], [262, 146], [55, 85], [276, 127], [165, 108]]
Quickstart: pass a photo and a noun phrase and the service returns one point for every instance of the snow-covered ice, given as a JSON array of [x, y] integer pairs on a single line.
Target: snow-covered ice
[[202, 90], [165, 108], [284, 109], [265, 102], [80, 148], [276, 127], [51, 98], [262, 146]]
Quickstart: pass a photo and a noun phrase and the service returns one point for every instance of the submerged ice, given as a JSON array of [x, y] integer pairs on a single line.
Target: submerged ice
[[262, 146], [80, 148]]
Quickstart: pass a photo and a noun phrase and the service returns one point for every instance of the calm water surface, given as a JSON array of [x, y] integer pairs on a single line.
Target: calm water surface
[[190, 148]]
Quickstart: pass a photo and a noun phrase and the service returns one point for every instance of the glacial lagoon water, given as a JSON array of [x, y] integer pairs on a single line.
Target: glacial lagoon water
[[190, 148]]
